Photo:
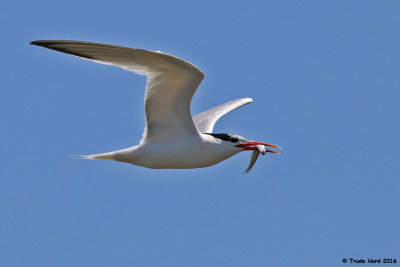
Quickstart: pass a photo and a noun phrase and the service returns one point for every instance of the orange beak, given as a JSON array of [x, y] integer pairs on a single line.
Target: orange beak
[[252, 145]]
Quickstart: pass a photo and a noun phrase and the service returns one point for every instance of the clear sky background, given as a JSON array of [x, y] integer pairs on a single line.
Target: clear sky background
[[324, 76]]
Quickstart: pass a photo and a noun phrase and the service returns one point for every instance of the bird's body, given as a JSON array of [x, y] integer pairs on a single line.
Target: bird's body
[[188, 153], [172, 139]]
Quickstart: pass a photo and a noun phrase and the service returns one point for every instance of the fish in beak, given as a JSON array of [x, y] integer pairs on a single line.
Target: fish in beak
[[257, 147]]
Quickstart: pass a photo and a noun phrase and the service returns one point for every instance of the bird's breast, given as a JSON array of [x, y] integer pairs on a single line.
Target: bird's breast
[[182, 154]]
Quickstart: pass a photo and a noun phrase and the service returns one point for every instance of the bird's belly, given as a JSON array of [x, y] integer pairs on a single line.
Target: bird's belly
[[182, 157]]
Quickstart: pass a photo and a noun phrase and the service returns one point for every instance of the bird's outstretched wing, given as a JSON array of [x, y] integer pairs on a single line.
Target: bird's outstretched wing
[[206, 120], [171, 83]]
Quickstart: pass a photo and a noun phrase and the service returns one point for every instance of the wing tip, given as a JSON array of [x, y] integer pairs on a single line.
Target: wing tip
[[245, 100], [39, 43], [53, 45], [44, 43]]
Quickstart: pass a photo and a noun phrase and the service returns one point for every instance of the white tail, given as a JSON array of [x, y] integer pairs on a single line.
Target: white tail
[[103, 156], [123, 155]]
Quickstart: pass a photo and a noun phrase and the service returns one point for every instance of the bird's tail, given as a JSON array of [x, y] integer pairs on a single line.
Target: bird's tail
[[102, 156]]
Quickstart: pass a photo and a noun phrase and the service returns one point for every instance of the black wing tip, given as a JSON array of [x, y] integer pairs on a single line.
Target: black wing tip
[[54, 46], [41, 43]]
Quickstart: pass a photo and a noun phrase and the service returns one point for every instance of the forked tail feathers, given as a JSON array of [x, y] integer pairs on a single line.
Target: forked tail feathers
[[103, 156]]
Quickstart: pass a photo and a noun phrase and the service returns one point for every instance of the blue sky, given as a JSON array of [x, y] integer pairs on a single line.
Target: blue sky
[[324, 76]]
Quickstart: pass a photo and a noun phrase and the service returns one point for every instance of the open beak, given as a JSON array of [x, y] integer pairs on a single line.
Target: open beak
[[254, 145]]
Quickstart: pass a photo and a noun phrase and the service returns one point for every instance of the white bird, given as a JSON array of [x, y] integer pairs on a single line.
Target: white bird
[[172, 138]]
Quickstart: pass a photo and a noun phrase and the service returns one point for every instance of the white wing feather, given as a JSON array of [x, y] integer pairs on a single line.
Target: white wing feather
[[171, 83], [206, 120]]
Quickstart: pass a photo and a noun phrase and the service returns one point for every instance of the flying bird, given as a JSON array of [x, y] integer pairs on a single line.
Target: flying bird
[[172, 138]]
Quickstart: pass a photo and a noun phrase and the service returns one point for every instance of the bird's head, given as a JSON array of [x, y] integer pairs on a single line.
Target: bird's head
[[243, 143], [257, 146]]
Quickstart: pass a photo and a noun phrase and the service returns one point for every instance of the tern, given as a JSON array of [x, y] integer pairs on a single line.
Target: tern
[[172, 138]]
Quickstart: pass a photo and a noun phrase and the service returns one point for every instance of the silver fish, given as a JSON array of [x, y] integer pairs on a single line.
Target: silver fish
[[262, 149], [254, 156]]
